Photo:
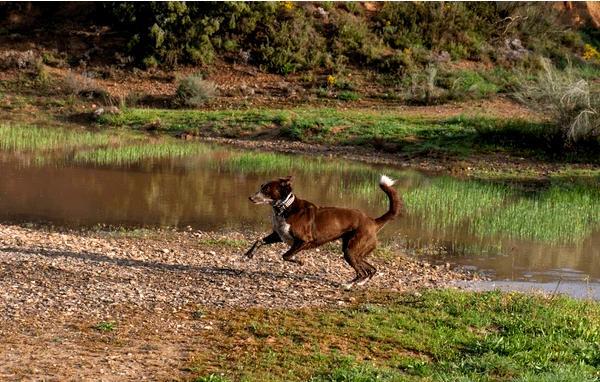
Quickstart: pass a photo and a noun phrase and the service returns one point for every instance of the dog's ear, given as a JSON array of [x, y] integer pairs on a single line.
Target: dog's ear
[[286, 180]]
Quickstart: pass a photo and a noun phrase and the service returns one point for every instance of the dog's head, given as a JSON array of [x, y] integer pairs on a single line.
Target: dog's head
[[273, 191]]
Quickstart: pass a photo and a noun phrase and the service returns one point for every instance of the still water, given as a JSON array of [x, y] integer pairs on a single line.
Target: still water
[[209, 191]]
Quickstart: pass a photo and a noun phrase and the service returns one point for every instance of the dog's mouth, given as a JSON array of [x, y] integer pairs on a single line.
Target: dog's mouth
[[260, 198]]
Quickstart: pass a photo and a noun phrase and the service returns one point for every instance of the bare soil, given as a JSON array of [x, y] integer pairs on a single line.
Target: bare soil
[[156, 290]]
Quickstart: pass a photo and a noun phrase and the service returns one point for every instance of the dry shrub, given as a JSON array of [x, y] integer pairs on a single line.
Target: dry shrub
[[194, 91], [85, 86], [571, 104], [19, 60]]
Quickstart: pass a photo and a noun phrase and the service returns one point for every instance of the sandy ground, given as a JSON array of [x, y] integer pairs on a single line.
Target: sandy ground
[[57, 287]]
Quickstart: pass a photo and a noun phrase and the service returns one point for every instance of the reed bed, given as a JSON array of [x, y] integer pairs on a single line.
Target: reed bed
[[559, 214], [448, 203], [132, 154], [21, 138]]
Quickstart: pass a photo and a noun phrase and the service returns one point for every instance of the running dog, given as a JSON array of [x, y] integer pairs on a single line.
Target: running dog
[[304, 225]]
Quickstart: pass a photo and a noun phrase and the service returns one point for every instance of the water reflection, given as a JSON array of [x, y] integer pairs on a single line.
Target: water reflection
[[209, 191]]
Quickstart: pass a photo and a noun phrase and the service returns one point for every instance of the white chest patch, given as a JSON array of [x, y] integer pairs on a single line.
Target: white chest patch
[[282, 228]]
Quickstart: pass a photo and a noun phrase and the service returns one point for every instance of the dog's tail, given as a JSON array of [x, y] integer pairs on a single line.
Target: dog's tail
[[396, 203]]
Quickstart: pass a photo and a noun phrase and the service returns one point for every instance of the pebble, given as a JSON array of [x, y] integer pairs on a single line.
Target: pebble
[[57, 278]]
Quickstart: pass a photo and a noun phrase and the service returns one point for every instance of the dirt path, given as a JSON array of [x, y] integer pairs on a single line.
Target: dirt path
[[57, 287]]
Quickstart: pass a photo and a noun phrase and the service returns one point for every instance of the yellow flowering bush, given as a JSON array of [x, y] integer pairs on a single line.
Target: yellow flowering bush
[[287, 5], [590, 53], [331, 80]]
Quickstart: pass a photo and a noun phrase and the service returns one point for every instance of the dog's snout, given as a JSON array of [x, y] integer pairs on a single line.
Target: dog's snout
[[259, 198]]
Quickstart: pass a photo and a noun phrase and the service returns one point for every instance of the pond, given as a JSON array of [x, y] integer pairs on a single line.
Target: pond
[[515, 235]]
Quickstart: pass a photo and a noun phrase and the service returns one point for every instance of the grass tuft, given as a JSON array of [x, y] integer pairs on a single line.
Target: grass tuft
[[105, 326]]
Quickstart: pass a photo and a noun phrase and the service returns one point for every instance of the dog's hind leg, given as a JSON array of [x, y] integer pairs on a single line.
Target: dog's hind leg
[[369, 269], [348, 249], [358, 247], [296, 247]]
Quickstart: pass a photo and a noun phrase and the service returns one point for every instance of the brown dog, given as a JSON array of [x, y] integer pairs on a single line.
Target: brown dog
[[304, 225]]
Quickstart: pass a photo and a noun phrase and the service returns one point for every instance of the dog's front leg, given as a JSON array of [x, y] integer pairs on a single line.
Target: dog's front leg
[[270, 239]]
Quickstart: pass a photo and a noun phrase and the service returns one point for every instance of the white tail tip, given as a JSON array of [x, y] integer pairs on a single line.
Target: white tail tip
[[386, 181]]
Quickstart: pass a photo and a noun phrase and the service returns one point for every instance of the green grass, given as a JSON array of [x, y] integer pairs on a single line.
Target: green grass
[[383, 130], [413, 135], [447, 202], [105, 326], [32, 138], [115, 147], [559, 214], [562, 213], [469, 84], [129, 154], [439, 336]]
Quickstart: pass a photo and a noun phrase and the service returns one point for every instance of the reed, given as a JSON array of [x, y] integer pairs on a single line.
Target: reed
[[559, 214], [22, 138], [448, 203], [132, 154]]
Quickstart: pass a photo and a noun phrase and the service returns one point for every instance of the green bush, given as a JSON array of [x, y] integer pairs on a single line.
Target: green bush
[[459, 28], [287, 37], [352, 38], [291, 45], [347, 95]]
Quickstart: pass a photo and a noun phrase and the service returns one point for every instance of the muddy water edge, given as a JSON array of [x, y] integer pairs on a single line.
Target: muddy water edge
[[208, 189]]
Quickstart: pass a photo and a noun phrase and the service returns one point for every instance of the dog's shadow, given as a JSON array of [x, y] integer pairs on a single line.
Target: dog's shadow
[[206, 271]]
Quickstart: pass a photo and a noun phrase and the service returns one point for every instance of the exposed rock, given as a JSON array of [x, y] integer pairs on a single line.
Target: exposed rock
[[106, 110], [513, 50]]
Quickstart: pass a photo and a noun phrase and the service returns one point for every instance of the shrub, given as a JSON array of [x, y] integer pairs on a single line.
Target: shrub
[[286, 37], [42, 77], [456, 27], [590, 53], [421, 88], [16, 59], [351, 37], [168, 32], [538, 26], [570, 103], [194, 91], [347, 95], [84, 86], [291, 45], [465, 84]]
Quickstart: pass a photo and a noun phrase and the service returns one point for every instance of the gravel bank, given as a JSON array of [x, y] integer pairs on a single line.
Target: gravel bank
[[56, 287]]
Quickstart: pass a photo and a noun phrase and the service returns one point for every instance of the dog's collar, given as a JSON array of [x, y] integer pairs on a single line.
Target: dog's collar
[[281, 205]]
